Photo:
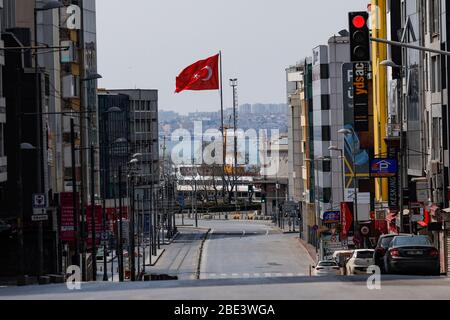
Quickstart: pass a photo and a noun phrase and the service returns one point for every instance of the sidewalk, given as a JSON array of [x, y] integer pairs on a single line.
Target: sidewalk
[[311, 250]]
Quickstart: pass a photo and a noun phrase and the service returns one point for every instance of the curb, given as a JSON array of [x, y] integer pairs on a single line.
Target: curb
[[312, 256], [157, 259], [197, 276]]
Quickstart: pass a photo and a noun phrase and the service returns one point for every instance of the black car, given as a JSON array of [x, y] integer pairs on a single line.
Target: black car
[[380, 250], [412, 254]]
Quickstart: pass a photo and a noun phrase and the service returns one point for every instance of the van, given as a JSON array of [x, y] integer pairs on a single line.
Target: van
[[341, 257]]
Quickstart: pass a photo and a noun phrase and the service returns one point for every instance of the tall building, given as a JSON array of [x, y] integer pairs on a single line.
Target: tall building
[[143, 131], [114, 141], [63, 87], [295, 87], [3, 158]]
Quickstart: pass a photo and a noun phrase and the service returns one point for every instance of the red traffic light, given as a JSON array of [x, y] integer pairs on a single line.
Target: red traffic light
[[359, 22]]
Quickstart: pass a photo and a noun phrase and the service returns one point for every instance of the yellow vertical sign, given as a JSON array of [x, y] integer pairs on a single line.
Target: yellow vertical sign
[[380, 99]]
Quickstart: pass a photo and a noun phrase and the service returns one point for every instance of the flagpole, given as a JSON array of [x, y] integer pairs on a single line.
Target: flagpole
[[223, 129]]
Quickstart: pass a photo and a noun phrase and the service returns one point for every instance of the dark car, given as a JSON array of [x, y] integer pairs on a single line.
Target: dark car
[[412, 255], [381, 248]]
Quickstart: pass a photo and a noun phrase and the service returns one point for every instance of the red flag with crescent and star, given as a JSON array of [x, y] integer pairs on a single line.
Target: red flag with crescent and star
[[202, 75]]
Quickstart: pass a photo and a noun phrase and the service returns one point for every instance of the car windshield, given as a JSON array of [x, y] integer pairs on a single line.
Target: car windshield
[[364, 254], [327, 264], [412, 241], [385, 242]]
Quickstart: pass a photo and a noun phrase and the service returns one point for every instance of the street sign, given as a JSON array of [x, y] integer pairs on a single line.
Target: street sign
[[331, 217], [383, 168], [39, 205], [39, 218]]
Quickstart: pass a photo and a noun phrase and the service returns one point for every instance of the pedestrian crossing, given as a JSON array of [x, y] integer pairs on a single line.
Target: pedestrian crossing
[[250, 275]]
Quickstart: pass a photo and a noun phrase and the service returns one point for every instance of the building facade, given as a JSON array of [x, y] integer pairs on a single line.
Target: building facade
[[3, 158]]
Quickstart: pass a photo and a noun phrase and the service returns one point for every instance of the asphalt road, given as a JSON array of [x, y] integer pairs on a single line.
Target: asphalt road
[[240, 261], [239, 249]]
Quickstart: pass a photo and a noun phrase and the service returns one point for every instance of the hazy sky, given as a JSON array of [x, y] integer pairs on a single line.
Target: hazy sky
[[146, 43]]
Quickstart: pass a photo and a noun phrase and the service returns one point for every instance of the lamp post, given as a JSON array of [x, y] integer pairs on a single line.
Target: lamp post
[[352, 133], [234, 84], [131, 254], [341, 151]]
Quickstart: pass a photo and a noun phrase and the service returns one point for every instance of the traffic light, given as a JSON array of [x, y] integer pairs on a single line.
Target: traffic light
[[263, 198], [359, 36]]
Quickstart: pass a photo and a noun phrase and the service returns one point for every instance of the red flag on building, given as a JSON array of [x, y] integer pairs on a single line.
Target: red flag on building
[[202, 75]]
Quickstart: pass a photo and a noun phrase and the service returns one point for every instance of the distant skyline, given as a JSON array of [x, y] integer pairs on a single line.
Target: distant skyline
[[145, 44]]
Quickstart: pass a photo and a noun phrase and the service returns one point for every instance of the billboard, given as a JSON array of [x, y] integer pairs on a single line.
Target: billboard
[[67, 231], [361, 96], [98, 216], [358, 143]]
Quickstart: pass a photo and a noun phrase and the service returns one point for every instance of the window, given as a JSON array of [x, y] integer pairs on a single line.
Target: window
[[436, 139], [326, 133], [325, 102], [2, 140], [435, 74], [434, 17]]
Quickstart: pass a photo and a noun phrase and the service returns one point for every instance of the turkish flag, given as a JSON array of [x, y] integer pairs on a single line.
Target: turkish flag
[[202, 75]]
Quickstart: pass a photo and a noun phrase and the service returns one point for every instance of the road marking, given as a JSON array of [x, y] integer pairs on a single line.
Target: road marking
[[257, 275], [267, 232], [223, 275], [246, 275], [243, 233], [279, 275], [290, 274], [235, 275], [267, 275]]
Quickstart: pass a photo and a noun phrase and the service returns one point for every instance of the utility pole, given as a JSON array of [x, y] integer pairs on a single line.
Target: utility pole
[[93, 216], [233, 84], [76, 221], [120, 232]]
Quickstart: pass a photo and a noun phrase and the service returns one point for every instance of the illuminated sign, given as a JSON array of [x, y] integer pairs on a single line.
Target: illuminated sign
[[383, 168]]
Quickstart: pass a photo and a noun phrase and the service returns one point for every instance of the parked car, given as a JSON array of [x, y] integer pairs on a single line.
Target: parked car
[[327, 268], [360, 261], [381, 249], [412, 254]]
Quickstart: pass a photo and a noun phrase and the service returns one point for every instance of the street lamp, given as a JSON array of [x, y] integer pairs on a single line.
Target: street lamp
[[234, 84], [350, 132], [341, 151], [402, 153], [131, 255]]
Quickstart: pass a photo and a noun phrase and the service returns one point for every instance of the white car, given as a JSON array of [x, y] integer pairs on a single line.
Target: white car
[[360, 262], [327, 268]]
